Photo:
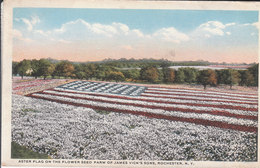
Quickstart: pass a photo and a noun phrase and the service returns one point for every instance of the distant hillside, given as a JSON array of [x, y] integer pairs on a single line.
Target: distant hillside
[[133, 63]]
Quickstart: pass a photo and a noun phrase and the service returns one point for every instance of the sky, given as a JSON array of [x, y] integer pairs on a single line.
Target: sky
[[84, 35]]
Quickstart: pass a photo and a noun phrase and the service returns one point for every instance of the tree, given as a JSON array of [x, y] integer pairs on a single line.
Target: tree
[[221, 76], [102, 71], [207, 77], [190, 75], [79, 71], [117, 76], [44, 68], [246, 78], [14, 68], [51, 70], [90, 71], [132, 74], [24, 68], [35, 68], [65, 69], [254, 71], [233, 77], [168, 75], [149, 73], [180, 76]]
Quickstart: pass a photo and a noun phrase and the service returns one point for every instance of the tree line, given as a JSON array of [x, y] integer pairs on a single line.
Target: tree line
[[146, 73]]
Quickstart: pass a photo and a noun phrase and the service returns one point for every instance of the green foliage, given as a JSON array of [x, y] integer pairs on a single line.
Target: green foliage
[[116, 76], [103, 71], [21, 152], [35, 68], [221, 76], [80, 75], [28, 109], [103, 112], [254, 71], [149, 73], [135, 63], [168, 75], [90, 70], [207, 77], [190, 75], [180, 76], [24, 68], [79, 71], [228, 76], [233, 77], [132, 74], [246, 78], [51, 70], [152, 71], [14, 68], [64, 68], [44, 68]]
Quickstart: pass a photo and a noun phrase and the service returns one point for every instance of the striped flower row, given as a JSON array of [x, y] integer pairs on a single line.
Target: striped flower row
[[201, 109], [190, 90], [177, 100], [204, 119], [35, 82], [202, 94], [199, 98]]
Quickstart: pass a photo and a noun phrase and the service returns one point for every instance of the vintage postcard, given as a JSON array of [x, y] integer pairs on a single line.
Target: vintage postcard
[[130, 83]]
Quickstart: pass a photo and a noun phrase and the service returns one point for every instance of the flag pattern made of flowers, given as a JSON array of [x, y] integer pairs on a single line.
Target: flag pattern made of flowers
[[226, 110]]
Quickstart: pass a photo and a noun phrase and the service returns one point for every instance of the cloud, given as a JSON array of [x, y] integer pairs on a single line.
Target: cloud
[[106, 30], [35, 20], [88, 34], [41, 32], [19, 36], [228, 33], [171, 35], [255, 25], [230, 24], [120, 39], [213, 28], [88, 30], [29, 23], [80, 30], [127, 47]]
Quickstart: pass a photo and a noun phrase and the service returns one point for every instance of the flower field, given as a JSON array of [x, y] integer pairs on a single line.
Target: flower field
[[30, 85], [101, 120]]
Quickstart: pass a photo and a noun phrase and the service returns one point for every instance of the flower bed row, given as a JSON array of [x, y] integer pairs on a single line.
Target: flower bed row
[[200, 93], [166, 106], [190, 102], [137, 90], [197, 99], [210, 91], [190, 88], [203, 96], [203, 119], [30, 82], [35, 85]]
